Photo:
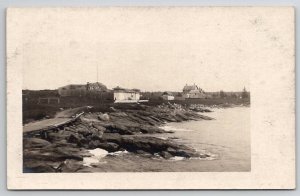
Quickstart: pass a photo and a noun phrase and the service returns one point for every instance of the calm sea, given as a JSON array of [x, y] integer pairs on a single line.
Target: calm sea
[[226, 139]]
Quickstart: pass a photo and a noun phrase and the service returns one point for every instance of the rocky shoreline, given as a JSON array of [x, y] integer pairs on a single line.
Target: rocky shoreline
[[121, 128]]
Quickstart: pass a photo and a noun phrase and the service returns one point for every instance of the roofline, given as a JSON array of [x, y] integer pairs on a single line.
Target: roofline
[[125, 89]]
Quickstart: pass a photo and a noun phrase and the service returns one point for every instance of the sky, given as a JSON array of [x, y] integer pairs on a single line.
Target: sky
[[148, 49]]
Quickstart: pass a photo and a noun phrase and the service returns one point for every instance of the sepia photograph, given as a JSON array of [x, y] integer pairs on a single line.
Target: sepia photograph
[[146, 90], [140, 106]]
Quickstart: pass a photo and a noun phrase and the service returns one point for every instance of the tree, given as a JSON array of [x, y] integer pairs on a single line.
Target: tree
[[233, 96], [222, 94], [245, 93]]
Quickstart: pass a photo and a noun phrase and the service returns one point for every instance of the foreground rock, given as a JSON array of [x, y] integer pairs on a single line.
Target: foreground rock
[[49, 158], [118, 130], [150, 145]]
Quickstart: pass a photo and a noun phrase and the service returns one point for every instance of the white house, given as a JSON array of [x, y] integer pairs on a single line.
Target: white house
[[168, 96], [122, 95]]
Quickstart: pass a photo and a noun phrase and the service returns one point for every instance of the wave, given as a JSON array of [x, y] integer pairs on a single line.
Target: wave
[[97, 155], [118, 153], [170, 128]]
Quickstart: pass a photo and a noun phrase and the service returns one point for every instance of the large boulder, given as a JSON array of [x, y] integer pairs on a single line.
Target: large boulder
[[39, 168], [112, 137], [70, 165], [153, 145], [99, 127], [83, 130], [103, 117], [74, 138], [151, 129], [51, 155], [58, 136], [94, 144], [148, 144], [109, 146], [165, 154], [35, 143], [118, 128]]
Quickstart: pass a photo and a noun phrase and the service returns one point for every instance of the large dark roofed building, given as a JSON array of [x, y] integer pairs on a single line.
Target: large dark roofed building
[[97, 86], [79, 90]]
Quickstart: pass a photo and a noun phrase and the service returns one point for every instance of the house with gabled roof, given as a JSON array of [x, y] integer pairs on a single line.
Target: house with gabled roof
[[193, 92]]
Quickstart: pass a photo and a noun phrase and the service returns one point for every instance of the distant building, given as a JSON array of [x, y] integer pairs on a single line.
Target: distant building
[[193, 92], [77, 90], [122, 95], [98, 90], [168, 96], [80, 90], [97, 86]]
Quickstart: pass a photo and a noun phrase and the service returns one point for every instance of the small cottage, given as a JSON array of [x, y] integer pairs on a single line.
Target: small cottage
[[122, 95], [168, 96]]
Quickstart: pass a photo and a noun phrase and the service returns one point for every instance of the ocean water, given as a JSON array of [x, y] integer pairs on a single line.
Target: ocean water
[[226, 139]]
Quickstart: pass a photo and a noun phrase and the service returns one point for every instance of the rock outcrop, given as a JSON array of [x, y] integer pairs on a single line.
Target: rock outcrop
[[124, 128]]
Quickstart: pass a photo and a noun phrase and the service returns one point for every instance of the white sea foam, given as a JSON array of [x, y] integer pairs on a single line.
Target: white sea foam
[[118, 153], [163, 138], [210, 157], [177, 158], [170, 128], [206, 158], [98, 154]]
